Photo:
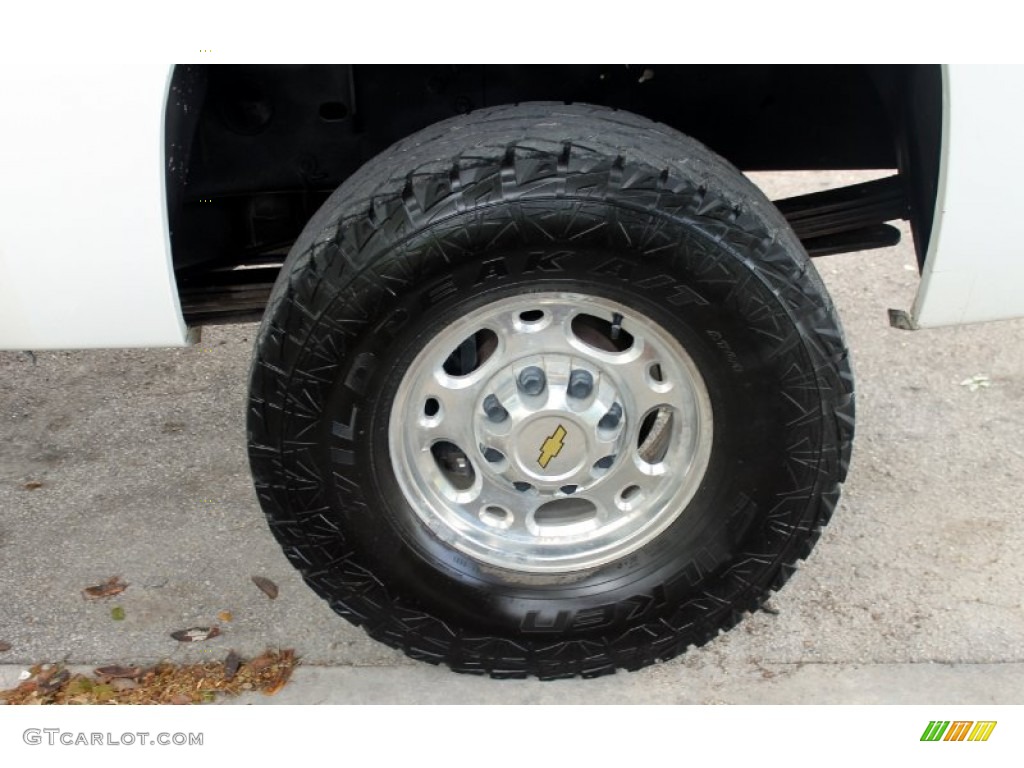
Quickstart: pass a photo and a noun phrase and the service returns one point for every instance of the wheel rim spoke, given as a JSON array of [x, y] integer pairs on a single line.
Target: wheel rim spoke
[[580, 433]]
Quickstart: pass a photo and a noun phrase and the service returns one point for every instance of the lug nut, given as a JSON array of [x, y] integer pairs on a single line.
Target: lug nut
[[531, 380], [457, 463], [493, 455], [495, 410], [611, 419], [581, 383]]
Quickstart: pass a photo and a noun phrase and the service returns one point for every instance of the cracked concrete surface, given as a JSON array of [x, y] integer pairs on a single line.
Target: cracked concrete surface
[[913, 594]]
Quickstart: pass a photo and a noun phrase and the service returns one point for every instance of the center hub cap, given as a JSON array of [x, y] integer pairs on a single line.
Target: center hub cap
[[560, 451], [553, 426]]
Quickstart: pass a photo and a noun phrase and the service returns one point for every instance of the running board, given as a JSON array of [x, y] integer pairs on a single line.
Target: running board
[[848, 218], [863, 239], [222, 296]]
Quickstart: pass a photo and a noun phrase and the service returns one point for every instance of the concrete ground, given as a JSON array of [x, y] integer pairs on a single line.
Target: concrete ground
[[913, 595]]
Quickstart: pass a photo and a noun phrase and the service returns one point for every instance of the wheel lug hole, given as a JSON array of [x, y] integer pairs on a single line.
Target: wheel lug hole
[[495, 516], [568, 489], [630, 495], [581, 384], [493, 455], [522, 487], [612, 418], [494, 409], [532, 380], [604, 463]]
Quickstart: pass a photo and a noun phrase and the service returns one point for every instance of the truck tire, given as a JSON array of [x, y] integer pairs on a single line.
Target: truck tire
[[548, 390]]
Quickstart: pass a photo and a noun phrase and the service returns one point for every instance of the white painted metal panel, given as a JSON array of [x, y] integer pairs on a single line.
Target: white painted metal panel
[[975, 265], [84, 253]]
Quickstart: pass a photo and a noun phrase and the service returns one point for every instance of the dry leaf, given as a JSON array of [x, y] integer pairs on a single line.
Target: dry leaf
[[51, 683], [261, 662], [44, 671], [109, 588], [4, 647], [231, 665], [225, 616], [165, 683], [117, 671], [32, 485], [274, 688], [195, 634], [268, 587]]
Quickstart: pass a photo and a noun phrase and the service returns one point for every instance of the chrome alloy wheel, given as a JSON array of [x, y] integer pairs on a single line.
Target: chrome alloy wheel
[[550, 432]]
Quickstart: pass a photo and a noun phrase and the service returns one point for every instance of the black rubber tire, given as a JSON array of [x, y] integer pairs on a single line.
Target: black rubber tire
[[534, 197]]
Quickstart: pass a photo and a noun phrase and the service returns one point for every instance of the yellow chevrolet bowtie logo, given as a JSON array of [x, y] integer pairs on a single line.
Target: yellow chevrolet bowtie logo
[[551, 447]]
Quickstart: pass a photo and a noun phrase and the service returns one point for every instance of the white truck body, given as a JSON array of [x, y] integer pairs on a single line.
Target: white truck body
[[85, 257], [974, 270]]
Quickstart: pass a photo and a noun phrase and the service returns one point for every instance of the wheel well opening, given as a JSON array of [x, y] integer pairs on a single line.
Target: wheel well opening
[[252, 151]]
